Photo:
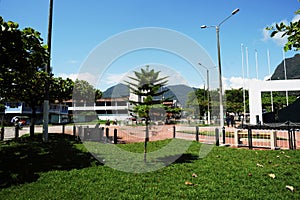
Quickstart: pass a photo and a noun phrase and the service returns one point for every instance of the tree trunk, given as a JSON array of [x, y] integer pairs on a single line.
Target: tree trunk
[[32, 121], [2, 128], [146, 140]]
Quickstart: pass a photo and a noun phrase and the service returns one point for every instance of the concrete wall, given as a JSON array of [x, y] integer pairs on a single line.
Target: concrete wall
[[256, 87]]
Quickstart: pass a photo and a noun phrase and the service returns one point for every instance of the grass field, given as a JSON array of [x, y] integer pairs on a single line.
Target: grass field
[[63, 169]]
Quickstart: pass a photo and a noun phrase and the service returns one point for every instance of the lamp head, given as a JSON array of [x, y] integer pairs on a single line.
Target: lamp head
[[203, 26], [235, 11]]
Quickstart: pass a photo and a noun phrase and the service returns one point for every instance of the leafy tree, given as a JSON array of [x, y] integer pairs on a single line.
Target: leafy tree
[[292, 31], [98, 94], [61, 89], [235, 100], [279, 100], [173, 112], [84, 92], [197, 102], [22, 62]]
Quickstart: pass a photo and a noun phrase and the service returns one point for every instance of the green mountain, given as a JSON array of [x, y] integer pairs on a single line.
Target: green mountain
[[119, 90], [178, 92], [292, 69]]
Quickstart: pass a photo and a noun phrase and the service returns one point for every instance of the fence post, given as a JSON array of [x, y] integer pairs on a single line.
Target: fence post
[[2, 133], [290, 138], [107, 133], [236, 137], [115, 136], [16, 131], [80, 132], [197, 133], [101, 133], [63, 129], [273, 139], [217, 137], [74, 131], [174, 132], [223, 135], [250, 138], [294, 139]]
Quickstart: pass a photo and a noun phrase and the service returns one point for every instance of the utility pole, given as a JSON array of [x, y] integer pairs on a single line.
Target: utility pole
[[48, 69]]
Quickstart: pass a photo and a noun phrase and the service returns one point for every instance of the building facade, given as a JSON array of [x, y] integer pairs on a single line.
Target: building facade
[[104, 108], [58, 113]]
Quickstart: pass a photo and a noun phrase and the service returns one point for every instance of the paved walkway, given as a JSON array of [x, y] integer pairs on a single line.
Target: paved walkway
[[9, 132]]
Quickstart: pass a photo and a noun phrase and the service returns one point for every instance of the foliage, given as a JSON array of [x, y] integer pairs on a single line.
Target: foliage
[[279, 100], [23, 58], [197, 102], [147, 85], [61, 89], [98, 94], [84, 91], [235, 100], [291, 30], [66, 170]]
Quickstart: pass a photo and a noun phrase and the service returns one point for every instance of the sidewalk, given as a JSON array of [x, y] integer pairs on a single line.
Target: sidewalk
[[9, 132]]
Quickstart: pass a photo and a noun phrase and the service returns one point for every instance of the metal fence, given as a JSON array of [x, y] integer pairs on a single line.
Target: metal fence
[[267, 138], [249, 137], [284, 137]]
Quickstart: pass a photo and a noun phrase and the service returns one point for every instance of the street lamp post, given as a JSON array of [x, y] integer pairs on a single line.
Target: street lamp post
[[208, 99], [217, 27]]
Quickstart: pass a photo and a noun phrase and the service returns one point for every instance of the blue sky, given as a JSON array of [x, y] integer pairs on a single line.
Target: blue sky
[[80, 26]]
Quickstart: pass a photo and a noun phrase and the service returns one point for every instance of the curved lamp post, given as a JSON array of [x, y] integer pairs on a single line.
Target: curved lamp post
[[217, 27]]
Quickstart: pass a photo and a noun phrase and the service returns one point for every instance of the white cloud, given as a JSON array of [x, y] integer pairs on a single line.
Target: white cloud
[[236, 82], [91, 78], [267, 77], [296, 18], [114, 78], [173, 79]]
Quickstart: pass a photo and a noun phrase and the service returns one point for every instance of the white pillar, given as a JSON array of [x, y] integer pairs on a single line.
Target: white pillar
[[255, 101]]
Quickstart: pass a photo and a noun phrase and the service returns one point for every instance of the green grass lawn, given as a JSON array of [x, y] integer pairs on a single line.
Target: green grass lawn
[[63, 169]]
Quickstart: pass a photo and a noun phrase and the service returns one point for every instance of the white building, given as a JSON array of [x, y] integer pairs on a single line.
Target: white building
[[105, 108]]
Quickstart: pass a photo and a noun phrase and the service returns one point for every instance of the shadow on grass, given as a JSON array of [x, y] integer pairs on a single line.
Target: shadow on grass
[[23, 159], [179, 159]]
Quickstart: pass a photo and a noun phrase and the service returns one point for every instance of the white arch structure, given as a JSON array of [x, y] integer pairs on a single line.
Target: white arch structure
[[256, 87]]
